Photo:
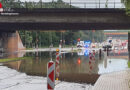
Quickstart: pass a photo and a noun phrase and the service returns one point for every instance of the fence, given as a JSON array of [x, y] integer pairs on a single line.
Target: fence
[[69, 4]]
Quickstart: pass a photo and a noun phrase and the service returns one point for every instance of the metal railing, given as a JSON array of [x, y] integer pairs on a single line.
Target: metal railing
[[66, 5]]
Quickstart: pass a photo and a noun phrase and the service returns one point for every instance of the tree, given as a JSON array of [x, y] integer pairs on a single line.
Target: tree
[[10, 3], [127, 6]]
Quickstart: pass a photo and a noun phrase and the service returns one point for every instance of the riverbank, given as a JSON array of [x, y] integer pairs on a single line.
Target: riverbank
[[14, 59], [62, 49], [12, 80]]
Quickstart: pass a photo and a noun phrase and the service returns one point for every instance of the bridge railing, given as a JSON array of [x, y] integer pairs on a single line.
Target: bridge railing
[[98, 4], [67, 5]]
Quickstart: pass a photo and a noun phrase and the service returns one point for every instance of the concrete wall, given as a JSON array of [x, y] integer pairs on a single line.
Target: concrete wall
[[14, 42], [10, 42]]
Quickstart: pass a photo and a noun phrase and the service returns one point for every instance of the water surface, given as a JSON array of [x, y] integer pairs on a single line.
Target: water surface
[[74, 67]]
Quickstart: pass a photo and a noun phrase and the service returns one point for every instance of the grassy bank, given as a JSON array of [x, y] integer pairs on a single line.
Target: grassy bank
[[128, 64], [14, 59]]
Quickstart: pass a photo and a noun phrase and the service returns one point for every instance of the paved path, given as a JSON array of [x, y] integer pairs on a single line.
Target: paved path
[[114, 81]]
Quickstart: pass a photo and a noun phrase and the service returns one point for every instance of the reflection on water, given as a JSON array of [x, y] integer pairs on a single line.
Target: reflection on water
[[77, 67], [111, 65]]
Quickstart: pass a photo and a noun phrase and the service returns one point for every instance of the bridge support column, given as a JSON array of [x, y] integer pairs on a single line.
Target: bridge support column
[[14, 43], [11, 42], [129, 44]]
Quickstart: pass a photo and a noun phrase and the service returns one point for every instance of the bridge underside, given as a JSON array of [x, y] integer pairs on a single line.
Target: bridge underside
[[65, 19], [62, 26]]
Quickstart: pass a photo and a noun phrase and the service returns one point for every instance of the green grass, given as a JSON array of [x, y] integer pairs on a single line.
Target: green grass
[[128, 64], [29, 48], [70, 46], [66, 46], [14, 59]]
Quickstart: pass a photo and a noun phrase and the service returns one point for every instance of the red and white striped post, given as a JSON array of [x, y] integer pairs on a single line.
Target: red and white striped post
[[51, 75], [90, 61], [90, 56], [1, 9], [94, 54], [57, 64]]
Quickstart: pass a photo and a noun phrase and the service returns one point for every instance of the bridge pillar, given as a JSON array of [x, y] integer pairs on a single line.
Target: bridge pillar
[[129, 44], [10, 42]]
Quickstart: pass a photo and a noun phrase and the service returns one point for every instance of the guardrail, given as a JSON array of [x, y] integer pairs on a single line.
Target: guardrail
[[66, 5]]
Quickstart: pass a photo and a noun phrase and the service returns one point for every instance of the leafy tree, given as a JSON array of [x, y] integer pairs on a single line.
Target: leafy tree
[[127, 5], [45, 39], [10, 3], [40, 4]]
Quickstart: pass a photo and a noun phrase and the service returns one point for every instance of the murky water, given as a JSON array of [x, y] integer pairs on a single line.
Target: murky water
[[75, 67]]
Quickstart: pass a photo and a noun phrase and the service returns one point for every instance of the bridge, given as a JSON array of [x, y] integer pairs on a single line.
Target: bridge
[[68, 15], [64, 19], [93, 16], [116, 34]]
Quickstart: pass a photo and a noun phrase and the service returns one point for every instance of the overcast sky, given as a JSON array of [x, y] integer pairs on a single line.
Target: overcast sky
[[95, 4]]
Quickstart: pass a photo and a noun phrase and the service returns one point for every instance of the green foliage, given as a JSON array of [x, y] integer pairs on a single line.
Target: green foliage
[[26, 36], [10, 3], [97, 36], [45, 39], [40, 4], [128, 64], [127, 5], [14, 59]]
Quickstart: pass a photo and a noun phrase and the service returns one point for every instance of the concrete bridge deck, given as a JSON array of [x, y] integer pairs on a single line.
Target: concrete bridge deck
[[64, 19], [114, 81]]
